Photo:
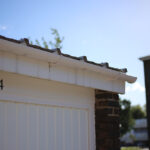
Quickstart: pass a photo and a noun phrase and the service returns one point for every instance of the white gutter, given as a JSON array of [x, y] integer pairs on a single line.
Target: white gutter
[[22, 49]]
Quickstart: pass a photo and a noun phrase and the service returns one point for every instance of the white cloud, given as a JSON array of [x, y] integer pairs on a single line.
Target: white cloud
[[135, 87], [2, 27]]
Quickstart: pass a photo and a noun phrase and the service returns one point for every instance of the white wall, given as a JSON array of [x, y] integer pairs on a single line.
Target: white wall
[[26, 101]]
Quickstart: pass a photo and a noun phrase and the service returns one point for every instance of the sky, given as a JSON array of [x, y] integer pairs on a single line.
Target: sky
[[115, 31]]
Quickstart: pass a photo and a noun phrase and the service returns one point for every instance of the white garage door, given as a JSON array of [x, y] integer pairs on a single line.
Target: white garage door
[[26, 126]]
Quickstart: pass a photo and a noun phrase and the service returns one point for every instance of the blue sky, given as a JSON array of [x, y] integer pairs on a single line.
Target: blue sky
[[115, 31]]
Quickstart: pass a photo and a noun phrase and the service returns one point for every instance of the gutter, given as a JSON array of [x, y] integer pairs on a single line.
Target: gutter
[[53, 58]]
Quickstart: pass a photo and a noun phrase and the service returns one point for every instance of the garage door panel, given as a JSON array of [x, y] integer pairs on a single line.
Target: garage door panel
[[67, 131], [22, 126], [11, 126], [42, 127], [76, 129], [59, 128], [2, 124], [84, 129], [32, 127], [51, 128]]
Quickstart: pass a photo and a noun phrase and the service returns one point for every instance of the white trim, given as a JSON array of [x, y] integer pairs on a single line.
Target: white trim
[[10, 62], [24, 50]]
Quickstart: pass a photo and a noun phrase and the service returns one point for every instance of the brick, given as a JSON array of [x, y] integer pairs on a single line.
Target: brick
[[108, 103], [103, 112], [107, 96], [116, 110], [107, 121]]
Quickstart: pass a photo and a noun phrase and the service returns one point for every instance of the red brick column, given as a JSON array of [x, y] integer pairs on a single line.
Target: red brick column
[[107, 121]]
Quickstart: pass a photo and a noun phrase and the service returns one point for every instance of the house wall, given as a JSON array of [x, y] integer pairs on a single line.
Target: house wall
[[23, 102]]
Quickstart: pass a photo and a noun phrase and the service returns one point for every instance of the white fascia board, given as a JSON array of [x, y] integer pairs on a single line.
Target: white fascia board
[[23, 50]]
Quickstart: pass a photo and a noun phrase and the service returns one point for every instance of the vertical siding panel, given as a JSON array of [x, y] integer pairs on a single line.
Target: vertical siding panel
[[27, 66], [11, 123], [59, 129], [16, 126], [46, 127], [5, 127], [71, 137], [71, 76], [28, 125], [84, 129], [92, 128], [43, 69], [64, 128], [2, 124], [79, 131], [42, 129], [9, 62], [51, 128], [1, 60], [80, 77], [75, 129], [32, 127], [22, 127], [37, 127], [67, 120], [86, 113]]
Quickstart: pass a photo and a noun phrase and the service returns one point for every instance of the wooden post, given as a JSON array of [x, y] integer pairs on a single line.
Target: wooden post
[[147, 85]]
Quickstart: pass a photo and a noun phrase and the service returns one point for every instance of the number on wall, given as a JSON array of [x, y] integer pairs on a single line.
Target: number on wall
[[1, 84]]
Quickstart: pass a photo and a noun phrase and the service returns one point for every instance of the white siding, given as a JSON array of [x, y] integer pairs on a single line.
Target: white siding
[[45, 115], [25, 126]]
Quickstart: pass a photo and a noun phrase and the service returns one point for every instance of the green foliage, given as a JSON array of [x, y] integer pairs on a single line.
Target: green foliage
[[131, 148], [132, 137], [37, 42], [128, 114], [138, 112], [126, 120], [55, 43], [145, 110], [57, 39], [44, 43]]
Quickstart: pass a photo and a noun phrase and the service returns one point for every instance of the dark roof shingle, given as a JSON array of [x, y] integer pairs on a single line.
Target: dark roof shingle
[[81, 58]]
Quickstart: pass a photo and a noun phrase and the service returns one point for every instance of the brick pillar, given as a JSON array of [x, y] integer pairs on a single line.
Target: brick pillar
[[107, 121]]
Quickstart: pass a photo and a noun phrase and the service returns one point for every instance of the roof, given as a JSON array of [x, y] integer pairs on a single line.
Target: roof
[[58, 51], [145, 58], [21, 57]]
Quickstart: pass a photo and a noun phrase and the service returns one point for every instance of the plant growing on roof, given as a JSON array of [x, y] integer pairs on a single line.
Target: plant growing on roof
[[55, 43]]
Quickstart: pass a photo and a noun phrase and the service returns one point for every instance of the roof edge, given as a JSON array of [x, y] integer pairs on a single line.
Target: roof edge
[[26, 42], [23, 49], [145, 58]]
